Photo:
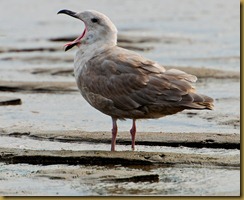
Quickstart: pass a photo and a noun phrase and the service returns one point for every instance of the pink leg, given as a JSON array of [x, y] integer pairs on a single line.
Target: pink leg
[[133, 134], [114, 134]]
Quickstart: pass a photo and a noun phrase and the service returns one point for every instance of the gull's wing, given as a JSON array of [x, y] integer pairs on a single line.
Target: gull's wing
[[132, 82]]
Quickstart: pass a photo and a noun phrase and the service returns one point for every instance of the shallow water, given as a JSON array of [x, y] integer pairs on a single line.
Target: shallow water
[[192, 34], [72, 112], [173, 181], [201, 37]]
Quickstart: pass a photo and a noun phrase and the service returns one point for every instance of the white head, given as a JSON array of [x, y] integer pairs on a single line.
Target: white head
[[98, 29]]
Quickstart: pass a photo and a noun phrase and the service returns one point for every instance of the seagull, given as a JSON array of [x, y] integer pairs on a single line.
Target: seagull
[[121, 83]]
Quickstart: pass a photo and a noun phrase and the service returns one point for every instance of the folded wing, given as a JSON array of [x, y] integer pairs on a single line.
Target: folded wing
[[132, 83]]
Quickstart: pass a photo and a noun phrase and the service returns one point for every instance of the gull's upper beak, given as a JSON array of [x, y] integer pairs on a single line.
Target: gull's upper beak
[[77, 41], [68, 12]]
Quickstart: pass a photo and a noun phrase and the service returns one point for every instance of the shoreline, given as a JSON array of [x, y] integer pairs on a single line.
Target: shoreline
[[192, 140]]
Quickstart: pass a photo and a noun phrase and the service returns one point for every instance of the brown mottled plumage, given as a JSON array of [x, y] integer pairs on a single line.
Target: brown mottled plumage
[[121, 83], [126, 85]]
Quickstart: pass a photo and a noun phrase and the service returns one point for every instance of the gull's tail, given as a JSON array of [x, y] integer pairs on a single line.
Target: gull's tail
[[199, 102]]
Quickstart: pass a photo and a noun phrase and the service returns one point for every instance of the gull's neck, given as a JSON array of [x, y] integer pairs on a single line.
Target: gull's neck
[[88, 51]]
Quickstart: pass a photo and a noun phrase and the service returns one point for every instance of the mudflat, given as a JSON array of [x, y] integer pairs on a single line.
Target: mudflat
[[54, 143]]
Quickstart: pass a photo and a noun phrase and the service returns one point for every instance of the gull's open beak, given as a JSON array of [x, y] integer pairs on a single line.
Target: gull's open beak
[[77, 41], [68, 12]]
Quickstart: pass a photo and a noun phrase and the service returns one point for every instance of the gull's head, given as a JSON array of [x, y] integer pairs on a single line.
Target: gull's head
[[98, 28]]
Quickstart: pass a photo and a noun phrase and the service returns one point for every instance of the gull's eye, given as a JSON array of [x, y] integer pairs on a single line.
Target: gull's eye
[[94, 20]]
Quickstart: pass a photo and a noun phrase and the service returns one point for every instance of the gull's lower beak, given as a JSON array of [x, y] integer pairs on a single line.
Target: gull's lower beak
[[77, 41], [68, 12]]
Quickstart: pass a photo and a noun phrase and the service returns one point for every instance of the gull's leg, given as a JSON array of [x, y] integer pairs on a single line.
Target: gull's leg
[[114, 133], [133, 134]]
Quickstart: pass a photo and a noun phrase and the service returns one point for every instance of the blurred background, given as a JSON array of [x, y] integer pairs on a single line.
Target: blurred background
[[199, 38], [38, 92], [193, 33]]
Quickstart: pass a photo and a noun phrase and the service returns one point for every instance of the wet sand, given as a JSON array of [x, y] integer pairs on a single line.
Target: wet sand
[[125, 158], [53, 158], [194, 140], [53, 143]]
